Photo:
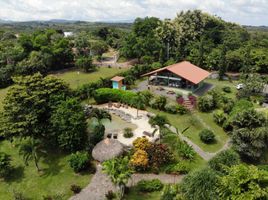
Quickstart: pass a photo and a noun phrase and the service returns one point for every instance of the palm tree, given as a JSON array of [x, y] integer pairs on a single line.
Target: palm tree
[[139, 101], [119, 172], [161, 122], [31, 150], [100, 114]]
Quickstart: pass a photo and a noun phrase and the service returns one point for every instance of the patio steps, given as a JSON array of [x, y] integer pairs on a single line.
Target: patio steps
[[188, 104]]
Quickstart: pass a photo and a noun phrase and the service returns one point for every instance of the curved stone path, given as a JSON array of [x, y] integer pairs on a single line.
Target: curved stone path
[[101, 184]]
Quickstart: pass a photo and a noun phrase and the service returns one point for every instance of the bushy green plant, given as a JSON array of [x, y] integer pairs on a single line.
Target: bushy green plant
[[79, 161], [160, 102], [128, 133], [219, 117], [182, 109], [5, 164], [224, 159], [149, 185], [171, 108], [207, 136], [171, 192], [179, 168], [227, 89], [75, 189], [186, 151], [206, 103]]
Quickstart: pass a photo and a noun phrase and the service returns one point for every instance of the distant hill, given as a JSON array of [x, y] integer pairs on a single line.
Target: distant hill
[[257, 28]]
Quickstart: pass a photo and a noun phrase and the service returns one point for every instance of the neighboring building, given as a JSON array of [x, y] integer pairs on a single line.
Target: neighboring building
[[68, 34], [118, 83], [181, 75]]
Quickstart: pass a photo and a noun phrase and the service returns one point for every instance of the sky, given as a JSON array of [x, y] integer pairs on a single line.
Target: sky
[[245, 12]]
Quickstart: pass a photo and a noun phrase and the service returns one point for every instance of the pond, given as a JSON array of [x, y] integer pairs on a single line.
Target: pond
[[116, 125]]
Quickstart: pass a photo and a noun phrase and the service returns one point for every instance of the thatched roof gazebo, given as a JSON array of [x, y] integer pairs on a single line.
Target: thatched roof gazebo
[[107, 149]]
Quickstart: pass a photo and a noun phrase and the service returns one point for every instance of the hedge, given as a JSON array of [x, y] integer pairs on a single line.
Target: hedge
[[105, 95]]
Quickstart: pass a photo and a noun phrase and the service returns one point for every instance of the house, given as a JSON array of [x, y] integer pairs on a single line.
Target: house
[[181, 75], [68, 34], [118, 82]]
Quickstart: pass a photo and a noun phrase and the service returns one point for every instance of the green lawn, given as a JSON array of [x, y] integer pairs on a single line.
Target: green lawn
[[56, 177], [134, 194], [193, 121], [76, 78], [221, 84]]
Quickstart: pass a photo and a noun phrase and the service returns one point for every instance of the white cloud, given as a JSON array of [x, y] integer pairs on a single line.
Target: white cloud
[[240, 11]]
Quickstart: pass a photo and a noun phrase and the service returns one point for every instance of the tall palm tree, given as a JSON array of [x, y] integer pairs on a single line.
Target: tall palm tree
[[31, 150], [160, 121], [119, 172], [139, 101]]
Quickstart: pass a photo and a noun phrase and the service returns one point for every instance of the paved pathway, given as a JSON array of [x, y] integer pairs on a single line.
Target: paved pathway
[[101, 184], [205, 155]]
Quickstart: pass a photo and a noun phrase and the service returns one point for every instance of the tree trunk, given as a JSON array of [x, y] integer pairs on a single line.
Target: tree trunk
[[36, 164], [121, 191], [137, 112]]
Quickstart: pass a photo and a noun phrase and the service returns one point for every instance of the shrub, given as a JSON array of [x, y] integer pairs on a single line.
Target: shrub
[[128, 133], [76, 189], [171, 108], [110, 195], [140, 160], [241, 105], [186, 151], [180, 168], [206, 103], [79, 161], [19, 196], [104, 95], [147, 96], [182, 110], [159, 154], [207, 136], [179, 95], [219, 117], [224, 159], [149, 185], [141, 143], [227, 89], [5, 164], [171, 192], [160, 102]]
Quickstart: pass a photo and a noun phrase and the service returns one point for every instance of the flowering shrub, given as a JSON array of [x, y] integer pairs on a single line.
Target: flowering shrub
[[140, 160], [159, 154], [141, 143]]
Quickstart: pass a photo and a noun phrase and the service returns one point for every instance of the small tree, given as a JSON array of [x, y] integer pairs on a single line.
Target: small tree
[[85, 63], [5, 164], [207, 136], [119, 172], [31, 150], [139, 101]]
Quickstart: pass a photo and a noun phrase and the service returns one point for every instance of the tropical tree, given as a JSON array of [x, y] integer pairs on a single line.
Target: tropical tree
[[160, 121], [243, 182], [31, 150], [139, 101], [119, 172]]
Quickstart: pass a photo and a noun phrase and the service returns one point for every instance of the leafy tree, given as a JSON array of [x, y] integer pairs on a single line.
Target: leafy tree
[[79, 161], [85, 63], [243, 182], [250, 134], [119, 172], [27, 109], [200, 184], [69, 123], [224, 159], [31, 150], [5, 164]]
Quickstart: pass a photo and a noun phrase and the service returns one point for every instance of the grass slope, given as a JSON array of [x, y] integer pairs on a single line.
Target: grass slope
[[76, 78], [197, 122], [56, 177]]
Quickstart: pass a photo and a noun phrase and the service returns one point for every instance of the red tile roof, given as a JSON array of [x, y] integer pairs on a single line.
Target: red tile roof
[[185, 70], [117, 78]]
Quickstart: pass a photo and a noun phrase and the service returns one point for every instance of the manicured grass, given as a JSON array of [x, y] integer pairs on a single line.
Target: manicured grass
[[221, 84], [196, 122], [134, 194], [77, 78], [3, 93], [55, 178]]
